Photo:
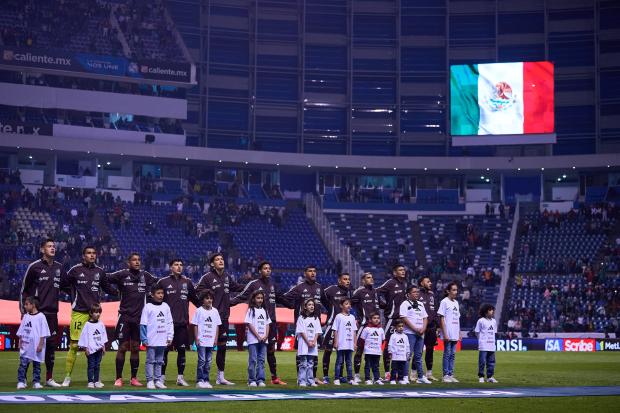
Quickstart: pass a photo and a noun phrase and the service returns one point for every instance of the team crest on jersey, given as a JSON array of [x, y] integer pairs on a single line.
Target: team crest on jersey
[[96, 276], [142, 278], [184, 287], [57, 272], [272, 290], [432, 299]]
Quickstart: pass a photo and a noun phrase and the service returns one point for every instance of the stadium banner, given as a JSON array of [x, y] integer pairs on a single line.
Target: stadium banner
[[175, 396], [82, 63], [505, 100], [26, 128], [608, 344]]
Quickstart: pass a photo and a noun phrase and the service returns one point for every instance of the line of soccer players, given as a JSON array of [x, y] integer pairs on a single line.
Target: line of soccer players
[[86, 282]]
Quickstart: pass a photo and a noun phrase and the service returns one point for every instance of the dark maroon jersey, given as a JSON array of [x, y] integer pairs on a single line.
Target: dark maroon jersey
[[295, 297], [222, 286], [178, 292], [134, 289], [43, 281], [365, 300], [331, 301], [84, 283], [394, 293], [270, 291]]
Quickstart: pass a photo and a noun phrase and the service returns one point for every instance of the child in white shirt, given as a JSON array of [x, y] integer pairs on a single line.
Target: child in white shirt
[[449, 321], [485, 330], [156, 333], [345, 343], [206, 321], [93, 339], [32, 334], [307, 333], [399, 352], [257, 323], [372, 339]]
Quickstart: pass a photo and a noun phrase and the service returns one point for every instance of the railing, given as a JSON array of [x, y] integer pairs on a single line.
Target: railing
[[337, 250], [511, 246]]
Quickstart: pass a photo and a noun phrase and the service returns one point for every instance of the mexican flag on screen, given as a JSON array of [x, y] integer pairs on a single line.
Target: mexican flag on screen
[[502, 98]]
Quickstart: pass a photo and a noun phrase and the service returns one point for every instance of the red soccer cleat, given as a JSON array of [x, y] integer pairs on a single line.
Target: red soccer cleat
[[118, 382], [278, 381], [134, 382]]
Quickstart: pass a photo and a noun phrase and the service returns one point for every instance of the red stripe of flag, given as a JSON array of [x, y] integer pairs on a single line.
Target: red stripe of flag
[[538, 100]]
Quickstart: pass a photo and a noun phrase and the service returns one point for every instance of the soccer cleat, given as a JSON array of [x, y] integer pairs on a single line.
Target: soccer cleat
[[66, 383], [21, 385], [222, 380], [253, 384], [446, 379], [430, 377], [180, 382], [336, 382], [262, 384], [357, 378], [317, 381], [492, 380], [207, 385], [150, 385], [393, 382], [302, 385], [91, 385], [314, 385], [278, 381], [99, 385], [369, 382], [453, 379], [387, 377], [37, 386], [118, 383], [326, 380], [344, 381], [160, 385], [413, 376], [379, 382], [481, 380], [51, 383], [134, 382], [423, 380]]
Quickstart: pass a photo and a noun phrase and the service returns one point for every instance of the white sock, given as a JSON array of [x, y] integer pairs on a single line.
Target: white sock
[[429, 372], [180, 377]]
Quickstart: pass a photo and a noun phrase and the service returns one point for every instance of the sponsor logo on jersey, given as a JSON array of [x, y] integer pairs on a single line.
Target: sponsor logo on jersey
[[375, 334], [128, 277], [208, 320], [96, 333], [161, 314], [29, 324], [42, 271], [82, 275], [170, 286], [260, 317]]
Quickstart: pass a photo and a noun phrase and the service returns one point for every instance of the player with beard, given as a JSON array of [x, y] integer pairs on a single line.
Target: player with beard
[[222, 284], [133, 285], [365, 301], [272, 296], [331, 301], [85, 283], [297, 296], [178, 292], [427, 297], [43, 279], [393, 291]]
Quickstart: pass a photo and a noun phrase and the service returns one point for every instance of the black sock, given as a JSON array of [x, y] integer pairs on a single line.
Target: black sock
[[271, 360], [316, 365], [297, 361], [50, 356], [386, 361], [163, 367], [120, 363], [357, 363], [180, 362], [134, 363], [220, 357], [326, 360]]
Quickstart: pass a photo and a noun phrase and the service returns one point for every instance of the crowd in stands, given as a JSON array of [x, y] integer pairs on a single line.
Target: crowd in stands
[[228, 212], [492, 210]]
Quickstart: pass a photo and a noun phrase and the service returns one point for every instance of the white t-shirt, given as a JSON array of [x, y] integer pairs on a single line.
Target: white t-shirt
[[206, 322], [399, 347], [93, 336], [450, 311], [32, 328], [415, 316], [486, 329], [374, 338], [260, 320], [309, 326], [345, 326], [159, 324]]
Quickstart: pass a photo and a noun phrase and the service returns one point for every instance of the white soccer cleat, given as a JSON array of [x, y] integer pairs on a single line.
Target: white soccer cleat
[[393, 382], [91, 385], [180, 382], [481, 380], [453, 379], [369, 382], [66, 383], [222, 380], [253, 384], [207, 385], [160, 385], [37, 386], [262, 384], [336, 382], [21, 385], [492, 380], [51, 383], [423, 380], [150, 385], [99, 385]]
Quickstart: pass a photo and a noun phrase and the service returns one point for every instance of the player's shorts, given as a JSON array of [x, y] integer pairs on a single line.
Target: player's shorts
[[328, 337], [78, 321], [181, 338], [359, 334], [127, 329], [273, 333], [52, 324], [222, 334]]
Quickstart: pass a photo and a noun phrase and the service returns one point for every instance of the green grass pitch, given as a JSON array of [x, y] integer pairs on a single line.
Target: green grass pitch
[[514, 369]]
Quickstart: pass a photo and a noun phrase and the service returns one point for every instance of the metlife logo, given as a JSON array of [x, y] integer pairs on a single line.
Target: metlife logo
[[608, 345]]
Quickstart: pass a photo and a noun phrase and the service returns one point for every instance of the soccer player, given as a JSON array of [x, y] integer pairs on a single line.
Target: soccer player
[[133, 285], [393, 291], [43, 279], [365, 301], [450, 330], [222, 284], [178, 292], [331, 301], [295, 299], [272, 296], [427, 297], [84, 283], [485, 330]]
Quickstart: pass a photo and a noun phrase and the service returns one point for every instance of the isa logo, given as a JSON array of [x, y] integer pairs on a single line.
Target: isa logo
[[556, 344]]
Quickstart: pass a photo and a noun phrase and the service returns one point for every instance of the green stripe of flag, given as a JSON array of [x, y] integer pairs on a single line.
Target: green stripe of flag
[[465, 112]]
